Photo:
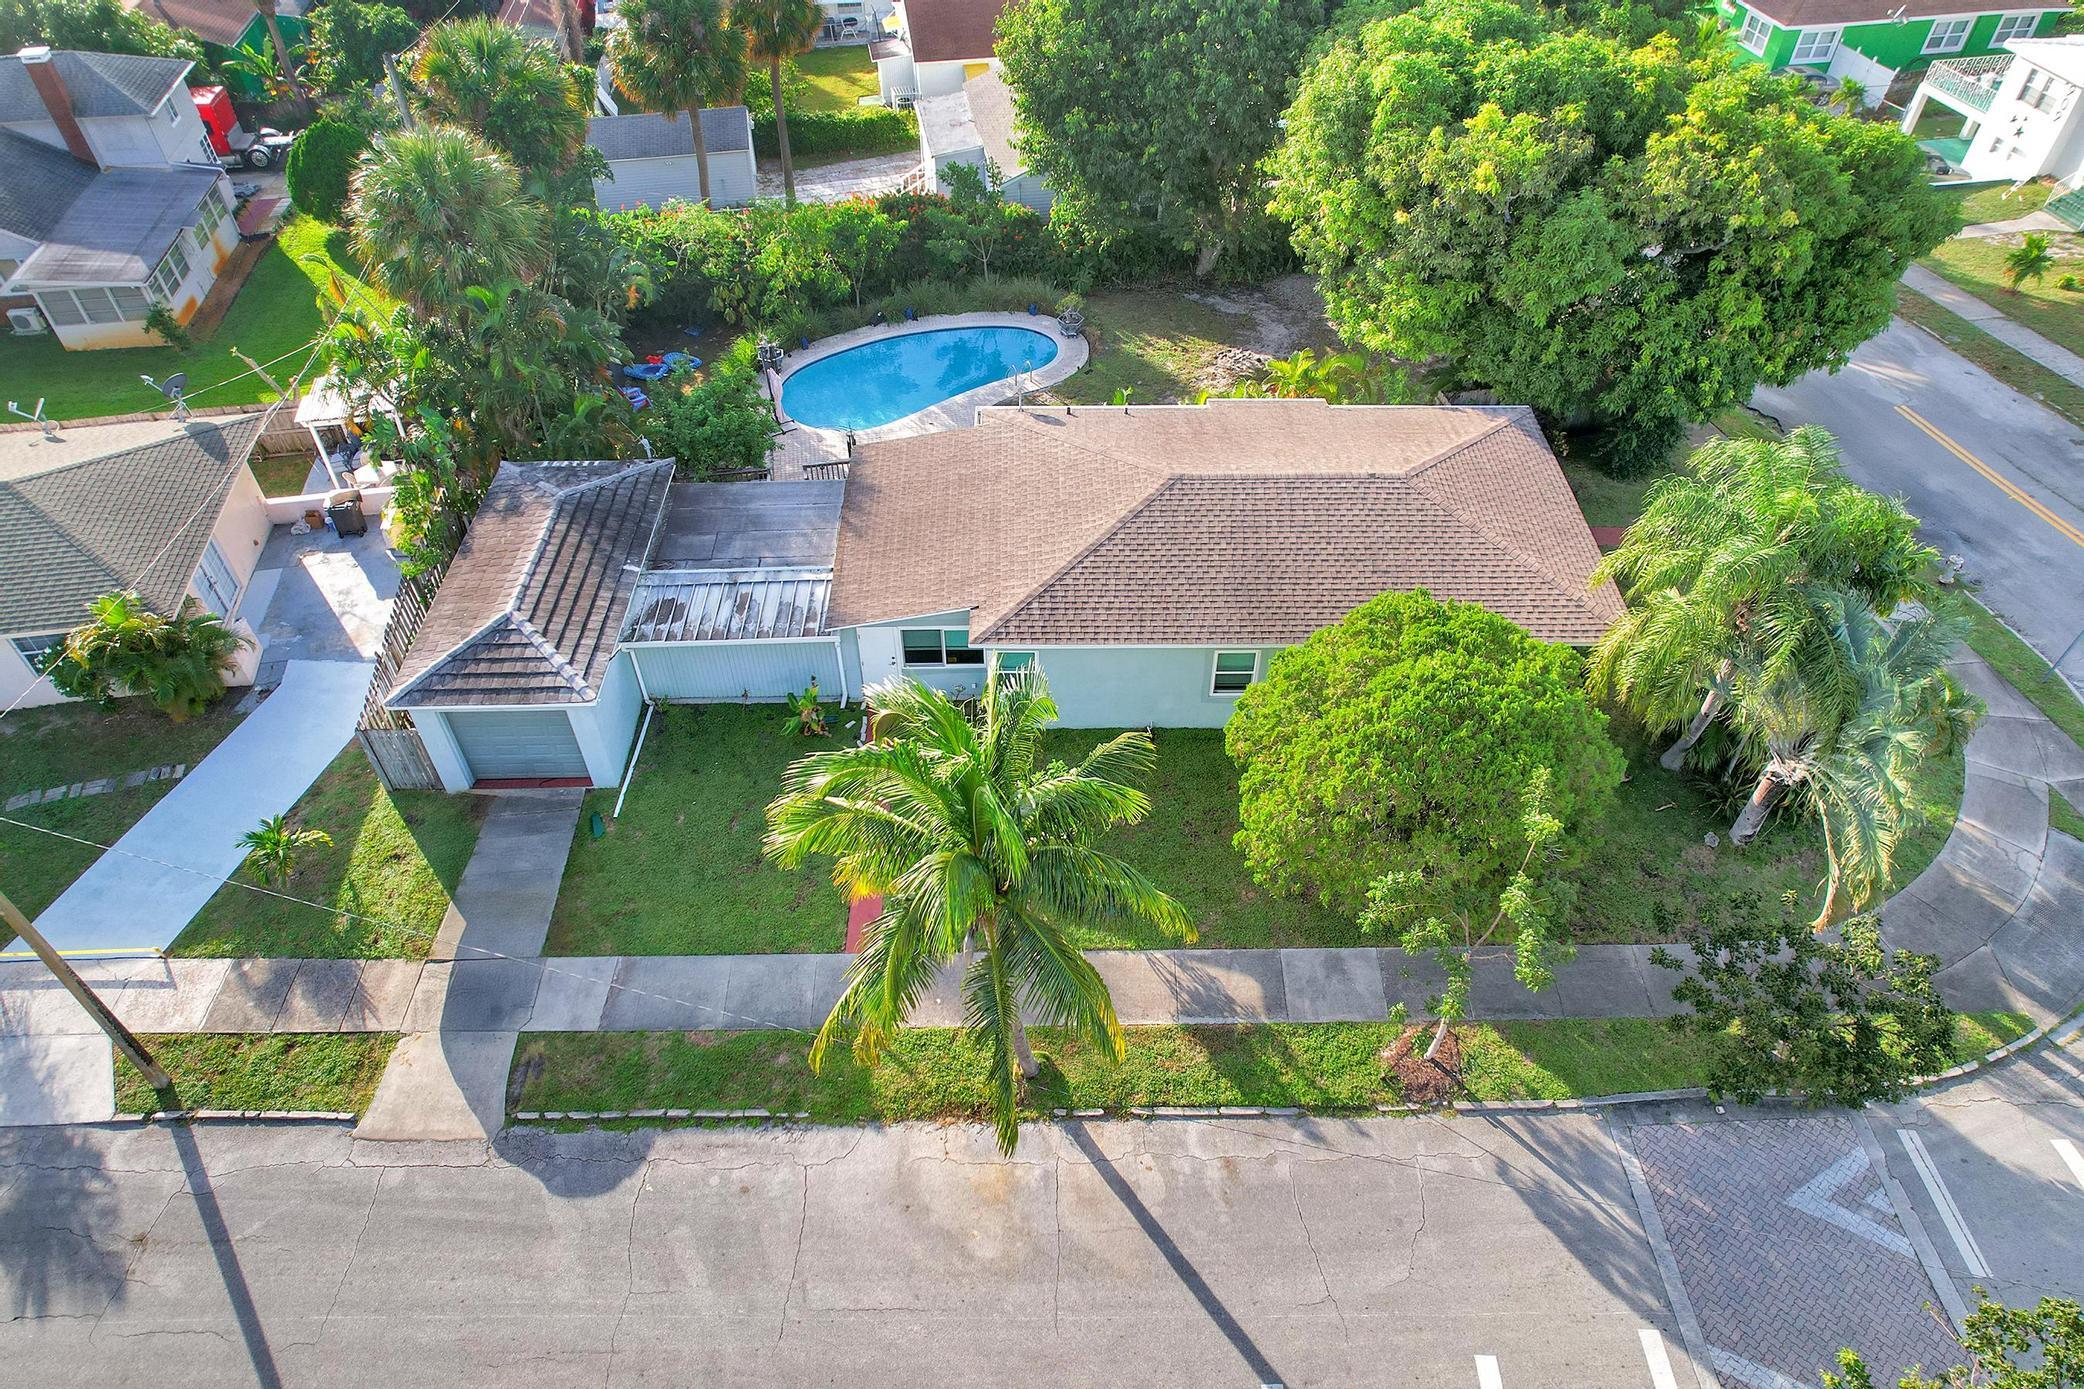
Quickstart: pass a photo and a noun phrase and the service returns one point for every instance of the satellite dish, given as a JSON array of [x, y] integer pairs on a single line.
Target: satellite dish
[[175, 385], [173, 388]]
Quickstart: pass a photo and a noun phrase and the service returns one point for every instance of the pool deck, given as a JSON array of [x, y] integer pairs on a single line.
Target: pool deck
[[801, 443]]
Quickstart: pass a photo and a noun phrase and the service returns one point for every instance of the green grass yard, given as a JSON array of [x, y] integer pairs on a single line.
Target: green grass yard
[[387, 875], [2018, 664], [65, 743], [680, 872], [275, 315], [1997, 202], [2063, 816], [1976, 264], [1155, 343], [838, 77], [324, 1072], [2000, 359], [934, 1073]]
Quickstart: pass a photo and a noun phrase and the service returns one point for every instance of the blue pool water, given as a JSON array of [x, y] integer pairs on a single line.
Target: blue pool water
[[890, 378]]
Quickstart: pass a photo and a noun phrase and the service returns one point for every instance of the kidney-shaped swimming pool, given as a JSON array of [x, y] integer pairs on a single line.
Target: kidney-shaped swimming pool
[[893, 377]]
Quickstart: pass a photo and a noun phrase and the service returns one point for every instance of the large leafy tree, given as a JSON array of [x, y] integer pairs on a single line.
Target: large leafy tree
[[349, 39], [1848, 739], [511, 90], [1780, 1008], [776, 31], [125, 648], [981, 853], [679, 55], [436, 210], [1612, 234], [1402, 742], [1155, 117], [91, 26], [1738, 559], [320, 168]]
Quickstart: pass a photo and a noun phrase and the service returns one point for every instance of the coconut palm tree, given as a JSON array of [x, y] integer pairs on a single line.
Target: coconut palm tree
[[435, 210], [1854, 769], [775, 31], [978, 852], [678, 55], [272, 848], [510, 90], [2030, 260], [1734, 560]]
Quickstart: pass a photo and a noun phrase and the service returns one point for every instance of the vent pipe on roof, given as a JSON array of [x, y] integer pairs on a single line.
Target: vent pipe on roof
[[50, 85]]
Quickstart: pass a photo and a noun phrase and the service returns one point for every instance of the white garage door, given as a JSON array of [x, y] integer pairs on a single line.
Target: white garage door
[[518, 743]]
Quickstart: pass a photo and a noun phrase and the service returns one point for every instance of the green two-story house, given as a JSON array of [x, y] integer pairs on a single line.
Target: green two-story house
[[1873, 40]]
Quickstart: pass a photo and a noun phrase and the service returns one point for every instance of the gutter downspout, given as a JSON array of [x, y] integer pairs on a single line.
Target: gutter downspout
[[629, 773]]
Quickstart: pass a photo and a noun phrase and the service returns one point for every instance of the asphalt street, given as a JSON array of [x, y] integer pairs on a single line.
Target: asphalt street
[[1996, 477]]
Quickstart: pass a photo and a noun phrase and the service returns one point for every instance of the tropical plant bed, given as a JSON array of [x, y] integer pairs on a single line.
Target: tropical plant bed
[[313, 1072], [680, 871], [385, 880], [937, 1074], [65, 744]]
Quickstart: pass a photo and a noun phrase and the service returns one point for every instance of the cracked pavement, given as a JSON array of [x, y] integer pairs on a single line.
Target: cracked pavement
[[1312, 1252]]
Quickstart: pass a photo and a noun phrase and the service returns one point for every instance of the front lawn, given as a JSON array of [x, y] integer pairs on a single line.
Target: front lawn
[[387, 875], [275, 316], [60, 744], [1976, 264], [2063, 817], [680, 872], [325, 1072], [838, 77], [2017, 663], [936, 1074], [2003, 361], [1997, 202]]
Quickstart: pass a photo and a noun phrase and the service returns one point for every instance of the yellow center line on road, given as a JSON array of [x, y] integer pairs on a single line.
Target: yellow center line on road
[[2003, 484]]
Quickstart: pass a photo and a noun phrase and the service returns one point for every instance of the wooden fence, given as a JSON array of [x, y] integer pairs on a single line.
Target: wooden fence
[[388, 738]]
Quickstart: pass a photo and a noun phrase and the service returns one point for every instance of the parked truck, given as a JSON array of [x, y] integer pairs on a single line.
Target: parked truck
[[235, 146]]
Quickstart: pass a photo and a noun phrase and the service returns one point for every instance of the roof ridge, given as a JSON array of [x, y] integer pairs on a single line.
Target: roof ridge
[[572, 678], [1478, 437], [1111, 531]]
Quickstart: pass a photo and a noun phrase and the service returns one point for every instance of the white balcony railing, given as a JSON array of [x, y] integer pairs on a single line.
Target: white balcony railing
[[1971, 81]]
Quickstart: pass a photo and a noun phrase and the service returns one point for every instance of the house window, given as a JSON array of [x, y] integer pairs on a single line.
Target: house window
[[1815, 46], [2014, 26], [214, 205], [1948, 35], [130, 303], [1757, 29], [39, 652], [1012, 662], [201, 235], [214, 581], [1233, 671], [2037, 87], [933, 646], [166, 280]]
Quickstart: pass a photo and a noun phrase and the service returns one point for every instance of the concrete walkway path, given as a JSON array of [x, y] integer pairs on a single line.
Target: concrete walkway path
[[1993, 321], [2039, 220], [138, 897]]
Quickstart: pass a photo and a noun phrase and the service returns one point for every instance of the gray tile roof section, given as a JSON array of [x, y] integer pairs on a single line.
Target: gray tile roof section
[[118, 229], [750, 525], [945, 126], [101, 84], [42, 182], [108, 507], [654, 136], [529, 609], [991, 115], [729, 605]]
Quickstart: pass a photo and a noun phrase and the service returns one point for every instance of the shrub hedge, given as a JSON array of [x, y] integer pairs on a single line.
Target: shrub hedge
[[869, 130]]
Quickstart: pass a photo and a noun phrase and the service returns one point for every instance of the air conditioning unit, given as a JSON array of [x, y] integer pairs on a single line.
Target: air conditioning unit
[[26, 322]]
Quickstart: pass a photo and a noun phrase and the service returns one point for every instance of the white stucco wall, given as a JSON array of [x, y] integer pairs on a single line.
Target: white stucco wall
[[876, 654], [1137, 686], [606, 727], [16, 676], [240, 532]]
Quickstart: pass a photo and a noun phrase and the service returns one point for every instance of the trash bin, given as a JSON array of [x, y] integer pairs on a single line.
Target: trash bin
[[344, 515]]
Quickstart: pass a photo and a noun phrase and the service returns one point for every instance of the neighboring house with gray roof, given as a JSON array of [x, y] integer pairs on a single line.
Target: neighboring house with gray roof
[[170, 510], [975, 125], [1151, 561], [651, 158], [114, 202]]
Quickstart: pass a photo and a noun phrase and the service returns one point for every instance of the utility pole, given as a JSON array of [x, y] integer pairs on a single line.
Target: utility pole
[[126, 1042], [398, 91]]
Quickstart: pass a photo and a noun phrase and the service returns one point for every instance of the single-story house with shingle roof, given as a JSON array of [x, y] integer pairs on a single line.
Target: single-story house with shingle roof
[[168, 509], [112, 202], [651, 158], [1149, 560], [975, 125]]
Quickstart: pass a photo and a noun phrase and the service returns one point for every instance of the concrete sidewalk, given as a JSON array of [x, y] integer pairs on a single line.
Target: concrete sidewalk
[[1992, 320], [137, 898]]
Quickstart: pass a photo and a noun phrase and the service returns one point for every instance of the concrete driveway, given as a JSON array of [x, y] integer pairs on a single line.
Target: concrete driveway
[[1993, 475]]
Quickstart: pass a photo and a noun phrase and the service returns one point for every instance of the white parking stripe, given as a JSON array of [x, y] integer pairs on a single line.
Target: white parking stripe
[[2071, 1158], [1943, 1201], [1487, 1373], [1661, 1376]]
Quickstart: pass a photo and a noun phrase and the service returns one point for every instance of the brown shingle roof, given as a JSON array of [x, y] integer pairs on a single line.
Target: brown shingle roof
[[1249, 521], [219, 21], [952, 31], [529, 609], [1796, 14], [110, 506]]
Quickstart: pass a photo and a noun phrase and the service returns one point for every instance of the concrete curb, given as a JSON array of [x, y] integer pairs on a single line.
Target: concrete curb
[[243, 1116], [553, 1116]]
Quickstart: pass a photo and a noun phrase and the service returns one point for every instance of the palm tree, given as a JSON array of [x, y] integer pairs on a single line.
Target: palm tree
[[2030, 261], [678, 55], [435, 210], [775, 31], [125, 648], [977, 851], [1851, 96], [284, 63], [273, 846], [510, 90], [1854, 768], [1733, 559]]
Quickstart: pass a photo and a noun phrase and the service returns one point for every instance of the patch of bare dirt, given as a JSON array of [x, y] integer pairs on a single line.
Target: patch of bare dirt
[[1284, 316], [1420, 1081]]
